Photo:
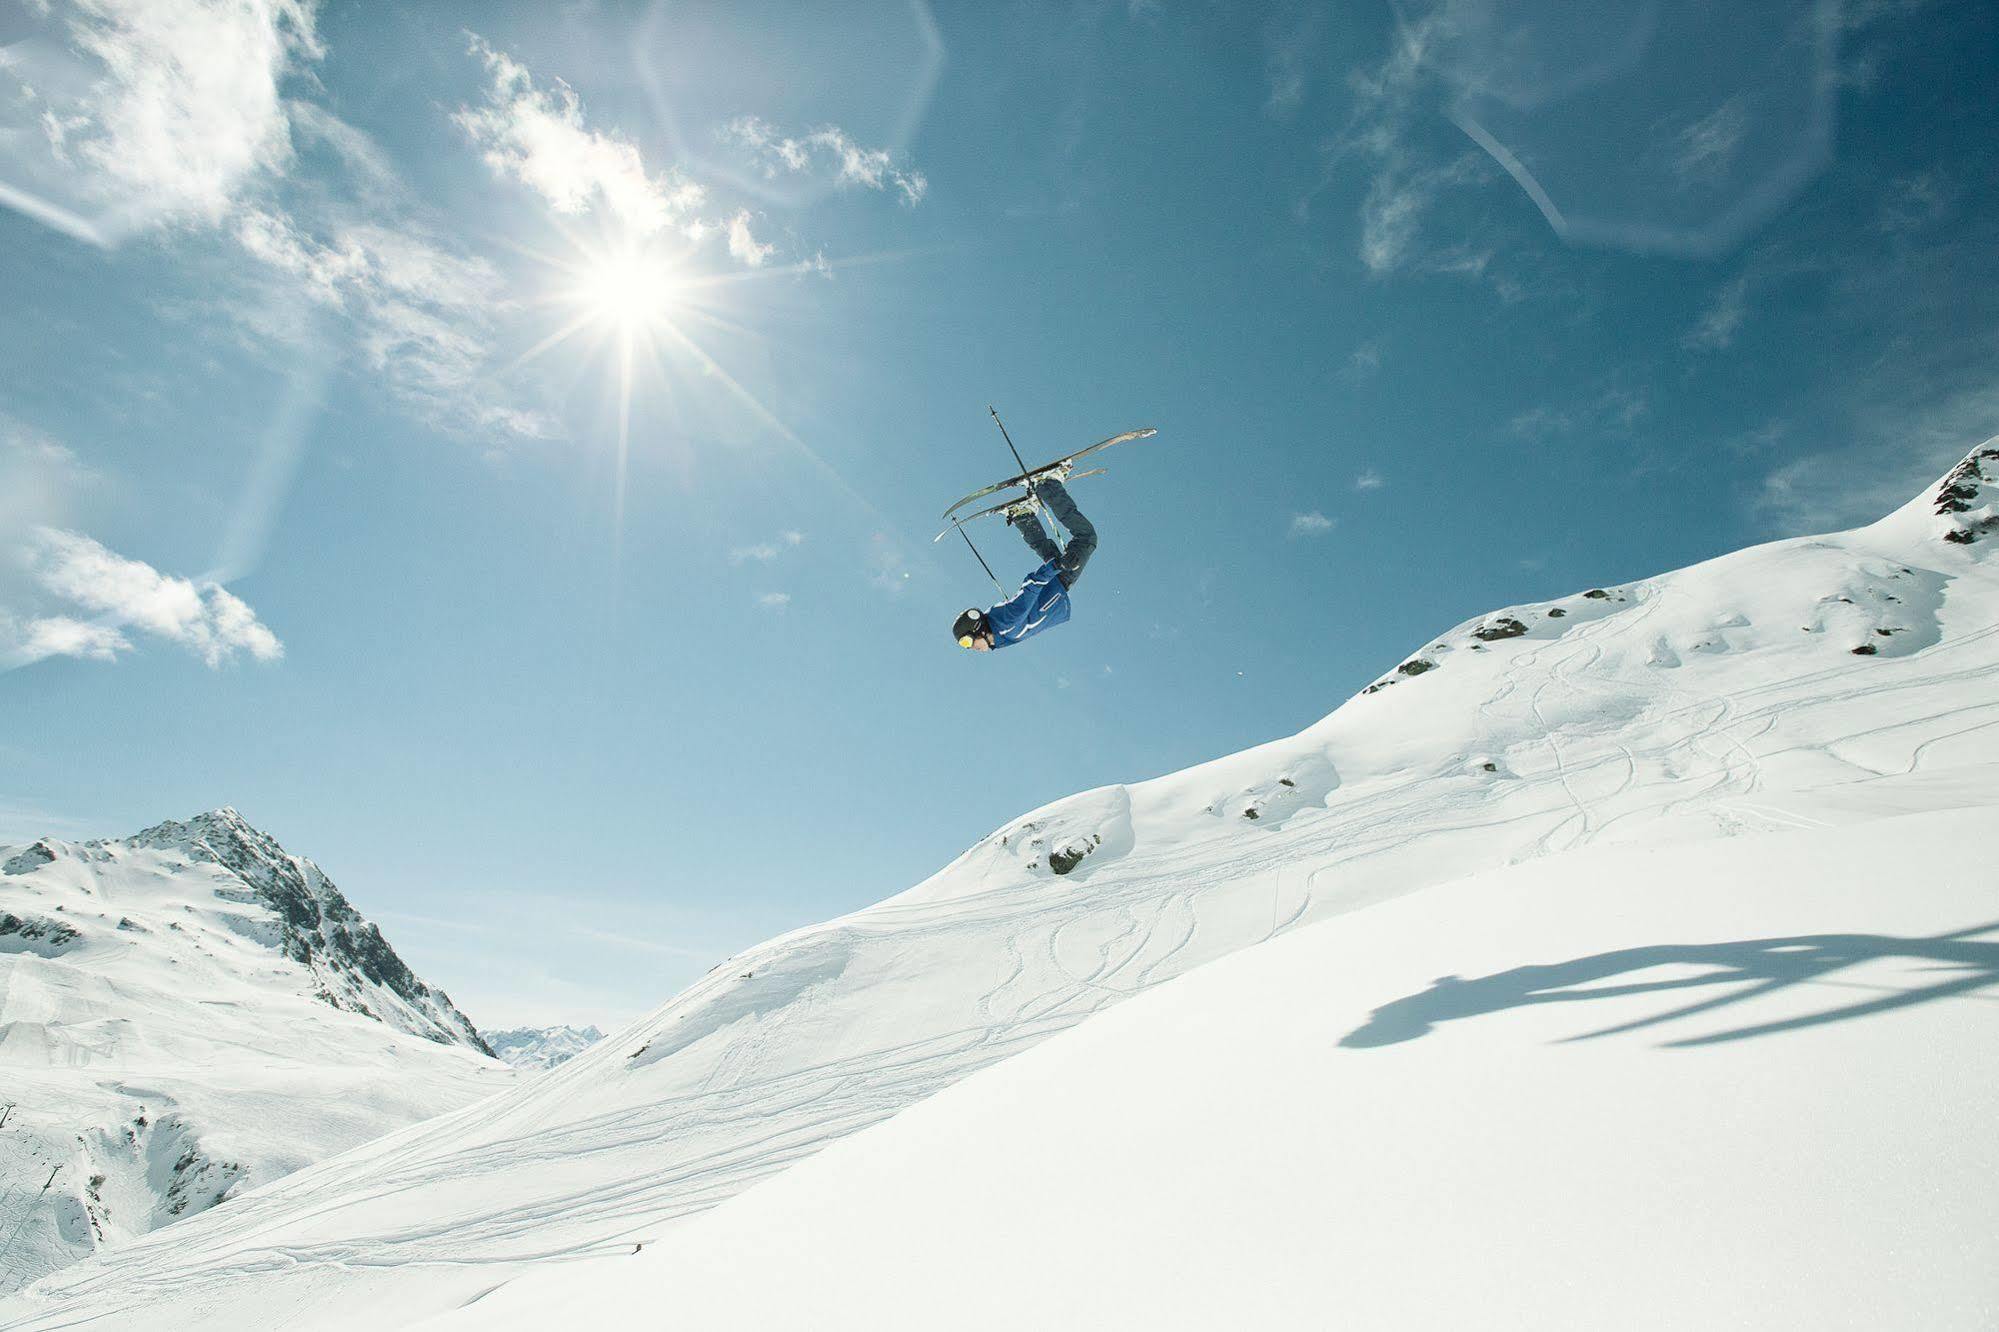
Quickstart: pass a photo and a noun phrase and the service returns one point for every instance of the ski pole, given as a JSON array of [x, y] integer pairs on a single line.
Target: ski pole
[[1032, 489], [1008, 438], [981, 559]]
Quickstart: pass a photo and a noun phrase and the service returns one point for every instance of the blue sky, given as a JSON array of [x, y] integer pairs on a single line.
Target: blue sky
[[580, 680]]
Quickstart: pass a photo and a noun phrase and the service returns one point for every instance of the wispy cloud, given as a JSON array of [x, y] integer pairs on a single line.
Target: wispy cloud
[[1313, 524], [826, 149], [1369, 480], [38, 476], [184, 121], [1287, 63], [1406, 179], [1705, 150], [1615, 411], [1363, 363], [743, 245], [1722, 320], [202, 617], [1916, 202], [1760, 440], [152, 113], [763, 552], [774, 601], [422, 312], [537, 136], [1891, 452]]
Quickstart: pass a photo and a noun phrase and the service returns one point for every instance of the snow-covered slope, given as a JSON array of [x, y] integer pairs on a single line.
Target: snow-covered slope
[[542, 1047], [1745, 1083], [1821, 681], [186, 1014]]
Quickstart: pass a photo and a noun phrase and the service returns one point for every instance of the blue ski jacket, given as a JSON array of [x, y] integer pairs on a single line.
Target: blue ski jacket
[[1041, 603]]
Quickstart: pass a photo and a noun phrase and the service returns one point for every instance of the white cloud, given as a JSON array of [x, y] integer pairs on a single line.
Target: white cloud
[[1369, 480], [1614, 411], [763, 552], [157, 112], [775, 601], [60, 636], [1540, 422], [744, 247], [1392, 215], [422, 313], [1722, 320], [1313, 524], [1287, 59], [38, 476], [829, 148], [205, 618], [1889, 453], [538, 137], [1363, 363], [1915, 202], [1705, 150]]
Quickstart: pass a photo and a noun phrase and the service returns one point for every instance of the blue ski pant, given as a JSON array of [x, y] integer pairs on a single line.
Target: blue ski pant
[[1071, 558]]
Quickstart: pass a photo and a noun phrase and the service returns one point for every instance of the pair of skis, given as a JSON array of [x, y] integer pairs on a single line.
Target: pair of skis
[[1061, 469]]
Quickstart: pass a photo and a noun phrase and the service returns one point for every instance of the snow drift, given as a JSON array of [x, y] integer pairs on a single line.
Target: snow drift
[[1732, 1084], [1820, 682]]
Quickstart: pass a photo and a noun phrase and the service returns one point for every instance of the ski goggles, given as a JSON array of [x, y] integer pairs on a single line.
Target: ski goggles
[[966, 641]]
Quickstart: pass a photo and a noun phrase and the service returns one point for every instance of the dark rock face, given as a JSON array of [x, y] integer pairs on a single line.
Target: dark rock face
[[1503, 627], [30, 860], [1416, 666], [46, 936], [1556, 612], [318, 928], [1963, 489], [1864, 650], [1064, 859]]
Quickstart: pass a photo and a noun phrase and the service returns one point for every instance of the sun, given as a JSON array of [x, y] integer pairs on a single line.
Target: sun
[[626, 290], [648, 309]]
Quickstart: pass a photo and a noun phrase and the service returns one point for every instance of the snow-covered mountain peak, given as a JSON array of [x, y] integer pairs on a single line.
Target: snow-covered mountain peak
[[188, 1013], [306, 918]]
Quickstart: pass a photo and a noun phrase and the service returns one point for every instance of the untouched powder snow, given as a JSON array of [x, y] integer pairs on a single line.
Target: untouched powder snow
[[186, 1014], [1743, 1084], [1818, 683]]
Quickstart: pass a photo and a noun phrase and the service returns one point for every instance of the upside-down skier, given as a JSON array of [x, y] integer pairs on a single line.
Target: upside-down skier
[[1043, 599]]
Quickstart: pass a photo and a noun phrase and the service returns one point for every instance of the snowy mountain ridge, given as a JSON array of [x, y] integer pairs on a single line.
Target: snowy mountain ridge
[[190, 1012], [1823, 682], [352, 966]]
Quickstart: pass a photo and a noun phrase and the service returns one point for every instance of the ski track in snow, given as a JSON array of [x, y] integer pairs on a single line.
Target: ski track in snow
[[1689, 706]]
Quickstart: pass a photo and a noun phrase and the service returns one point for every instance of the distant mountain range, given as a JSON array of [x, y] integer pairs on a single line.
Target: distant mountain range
[[542, 1047]]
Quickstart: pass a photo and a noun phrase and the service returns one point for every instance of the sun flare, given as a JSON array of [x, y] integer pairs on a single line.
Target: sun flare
[[627, 290]]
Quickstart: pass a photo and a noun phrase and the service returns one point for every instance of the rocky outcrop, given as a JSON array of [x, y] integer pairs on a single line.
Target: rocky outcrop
[[1969, 497]]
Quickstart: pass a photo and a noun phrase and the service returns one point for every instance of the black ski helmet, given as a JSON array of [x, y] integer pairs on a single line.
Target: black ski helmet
[[969, 625]]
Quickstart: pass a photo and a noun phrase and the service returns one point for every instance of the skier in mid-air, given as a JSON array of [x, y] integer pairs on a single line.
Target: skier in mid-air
[[1043, 599]]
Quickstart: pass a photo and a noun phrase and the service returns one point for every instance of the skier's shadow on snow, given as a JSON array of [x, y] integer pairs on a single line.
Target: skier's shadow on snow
[[1730, 973]]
